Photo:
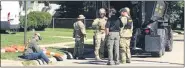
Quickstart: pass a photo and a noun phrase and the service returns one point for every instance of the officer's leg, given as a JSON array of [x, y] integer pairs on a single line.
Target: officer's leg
[[110, 49], [122, 50], [75, 53], [102, 45], [128, 54], [81, 48], [97, 46], [78, 47], [116, 48]]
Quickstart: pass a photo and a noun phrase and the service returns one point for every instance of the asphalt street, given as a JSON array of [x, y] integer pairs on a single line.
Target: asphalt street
[[173, 58]]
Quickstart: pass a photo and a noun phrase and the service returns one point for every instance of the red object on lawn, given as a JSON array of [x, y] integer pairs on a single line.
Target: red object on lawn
[[10, 49]]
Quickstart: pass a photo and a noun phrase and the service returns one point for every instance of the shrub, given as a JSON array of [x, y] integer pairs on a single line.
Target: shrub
[[37, 20]]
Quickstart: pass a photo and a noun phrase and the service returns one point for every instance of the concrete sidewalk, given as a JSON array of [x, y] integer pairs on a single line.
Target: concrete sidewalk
[[11, 63]]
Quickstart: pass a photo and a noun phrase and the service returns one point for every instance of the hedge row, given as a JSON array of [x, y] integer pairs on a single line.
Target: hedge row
[[36, 20]]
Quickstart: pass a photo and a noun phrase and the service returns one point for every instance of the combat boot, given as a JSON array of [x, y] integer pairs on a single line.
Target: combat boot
[[123, 62], [97, 58], [128, 61]]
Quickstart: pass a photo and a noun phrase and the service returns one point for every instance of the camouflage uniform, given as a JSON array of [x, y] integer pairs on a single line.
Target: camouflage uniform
[[125, 34], [79, 34], [99, 25]]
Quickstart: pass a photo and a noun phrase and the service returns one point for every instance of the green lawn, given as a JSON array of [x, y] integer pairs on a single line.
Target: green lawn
[[10, 55], [14, 56], [47, 35]]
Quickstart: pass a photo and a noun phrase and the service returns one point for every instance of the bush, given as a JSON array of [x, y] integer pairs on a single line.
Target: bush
[[37, 20]]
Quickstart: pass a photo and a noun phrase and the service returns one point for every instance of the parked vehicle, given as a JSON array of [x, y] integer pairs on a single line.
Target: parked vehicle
[[152, 33], [9, 15]]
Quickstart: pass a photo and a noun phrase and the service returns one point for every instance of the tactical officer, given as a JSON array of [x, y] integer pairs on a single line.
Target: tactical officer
[[79, 34], [99, 26], [125, 34], [112, 31]]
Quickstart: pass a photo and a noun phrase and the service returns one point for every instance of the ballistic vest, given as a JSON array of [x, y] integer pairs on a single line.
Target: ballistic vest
[[126, 31], [101, 24], [77, 31]]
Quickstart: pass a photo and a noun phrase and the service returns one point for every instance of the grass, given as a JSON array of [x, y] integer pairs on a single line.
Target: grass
[[47, 38], [10, 55], [14, 56], [47, 35]]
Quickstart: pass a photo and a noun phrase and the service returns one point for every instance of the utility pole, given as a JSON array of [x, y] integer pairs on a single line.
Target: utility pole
[[25, 23]]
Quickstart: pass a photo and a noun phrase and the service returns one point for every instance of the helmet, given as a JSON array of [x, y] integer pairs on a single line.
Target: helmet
[[128, 10], [102, 10], [123, 10]]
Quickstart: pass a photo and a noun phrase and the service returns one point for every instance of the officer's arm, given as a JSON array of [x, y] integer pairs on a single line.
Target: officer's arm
[[82, 28], [95, 23], [107, 27], [132, 26], [74, 30]]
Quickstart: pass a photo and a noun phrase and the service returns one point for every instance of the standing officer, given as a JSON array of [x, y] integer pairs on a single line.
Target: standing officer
[[125, 34], [99, 25], [79, 34], [112, 31]]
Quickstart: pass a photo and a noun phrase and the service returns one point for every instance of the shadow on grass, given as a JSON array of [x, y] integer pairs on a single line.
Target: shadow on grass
[[7, 33], [4, 32]]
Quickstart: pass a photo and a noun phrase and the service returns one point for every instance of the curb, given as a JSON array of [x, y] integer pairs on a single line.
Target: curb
[[40, 62], [69, 55], [53, 59]]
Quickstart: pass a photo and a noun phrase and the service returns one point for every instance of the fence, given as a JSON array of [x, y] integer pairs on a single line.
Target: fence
[[68, 22]]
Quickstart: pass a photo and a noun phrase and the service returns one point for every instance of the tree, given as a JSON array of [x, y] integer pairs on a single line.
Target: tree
[[37, 20], [74, 8], [70, 9], [176, 12]]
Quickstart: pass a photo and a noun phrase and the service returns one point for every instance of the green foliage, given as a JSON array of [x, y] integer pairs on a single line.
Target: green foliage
[[37, 19], [176, 12]]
